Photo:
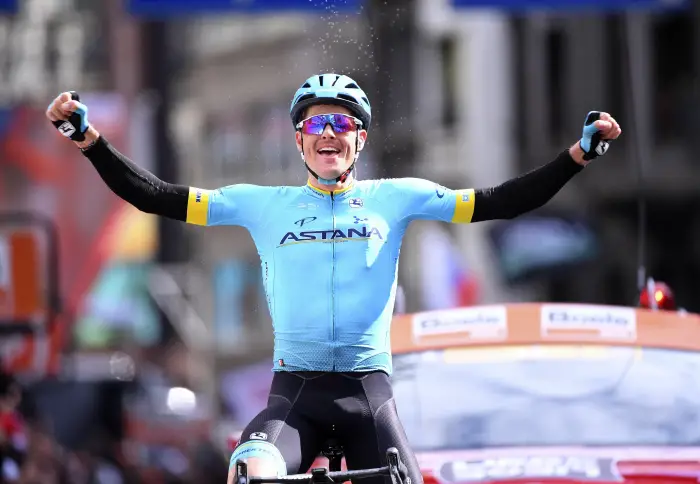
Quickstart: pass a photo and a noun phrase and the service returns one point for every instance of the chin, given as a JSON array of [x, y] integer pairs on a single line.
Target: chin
[[331, 173]]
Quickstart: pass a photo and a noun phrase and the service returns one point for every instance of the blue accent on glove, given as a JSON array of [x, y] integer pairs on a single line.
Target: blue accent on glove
[[82, 111], [589, 130]]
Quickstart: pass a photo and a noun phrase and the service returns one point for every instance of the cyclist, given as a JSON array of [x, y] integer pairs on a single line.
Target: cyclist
[[329, 255]]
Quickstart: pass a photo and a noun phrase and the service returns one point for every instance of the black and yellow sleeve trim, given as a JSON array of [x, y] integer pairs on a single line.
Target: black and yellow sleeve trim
[[464, 206], [198, 206]]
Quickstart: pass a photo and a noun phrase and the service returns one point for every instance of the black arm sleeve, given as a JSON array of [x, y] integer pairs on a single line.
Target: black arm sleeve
[[139, 187], [526, 192]]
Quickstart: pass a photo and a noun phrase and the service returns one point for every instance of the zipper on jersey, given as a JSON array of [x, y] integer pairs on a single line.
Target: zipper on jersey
[[333, 278]]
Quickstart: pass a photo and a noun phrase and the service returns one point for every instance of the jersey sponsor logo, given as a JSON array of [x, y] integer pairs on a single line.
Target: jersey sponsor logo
[[198, 196], [582, 320], [258, 436], [338, 235], [356, 203], [439, 191], [305, 220], [307, 206], [465, 197]]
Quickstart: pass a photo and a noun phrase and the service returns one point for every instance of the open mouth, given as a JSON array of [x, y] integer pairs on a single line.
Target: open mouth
[[328, 151]]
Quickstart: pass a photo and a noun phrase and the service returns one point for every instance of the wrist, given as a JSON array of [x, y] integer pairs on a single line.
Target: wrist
[[91, 135], [577, 153]]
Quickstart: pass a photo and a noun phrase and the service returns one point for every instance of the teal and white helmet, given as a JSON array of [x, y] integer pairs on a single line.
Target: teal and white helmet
[[331, 89]]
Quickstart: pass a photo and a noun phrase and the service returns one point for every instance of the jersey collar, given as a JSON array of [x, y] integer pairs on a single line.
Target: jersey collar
[[337, 193]]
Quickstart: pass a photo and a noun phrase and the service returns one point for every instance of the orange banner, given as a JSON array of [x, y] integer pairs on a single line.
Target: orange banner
[[517, 324]]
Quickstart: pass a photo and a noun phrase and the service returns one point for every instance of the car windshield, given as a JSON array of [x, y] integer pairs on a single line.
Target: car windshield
[[464, 398]]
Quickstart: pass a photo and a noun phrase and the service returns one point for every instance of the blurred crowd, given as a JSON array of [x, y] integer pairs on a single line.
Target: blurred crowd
[[32, 451]]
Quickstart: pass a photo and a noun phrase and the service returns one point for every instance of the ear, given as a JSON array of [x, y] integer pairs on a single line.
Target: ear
[[362, 139], [297, 137]]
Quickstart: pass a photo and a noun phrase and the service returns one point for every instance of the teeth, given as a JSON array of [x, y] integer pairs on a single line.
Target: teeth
[[328, 150]]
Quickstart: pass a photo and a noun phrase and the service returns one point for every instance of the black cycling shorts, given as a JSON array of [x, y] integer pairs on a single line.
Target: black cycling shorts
[[306, 409]]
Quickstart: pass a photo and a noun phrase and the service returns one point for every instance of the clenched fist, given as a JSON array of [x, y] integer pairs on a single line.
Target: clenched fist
[[70, 117], [607, 127], [599, 129]]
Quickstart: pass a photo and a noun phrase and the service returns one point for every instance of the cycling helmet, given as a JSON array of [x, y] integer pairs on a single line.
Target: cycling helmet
[[331, 89]]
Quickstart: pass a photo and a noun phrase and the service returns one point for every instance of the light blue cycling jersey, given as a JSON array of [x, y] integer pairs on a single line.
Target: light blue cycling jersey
[[330, 261]]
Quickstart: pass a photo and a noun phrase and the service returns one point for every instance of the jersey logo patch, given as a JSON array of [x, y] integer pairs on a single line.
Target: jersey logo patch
[[356, 203], [258, 436], [305, 220], [307, 206]]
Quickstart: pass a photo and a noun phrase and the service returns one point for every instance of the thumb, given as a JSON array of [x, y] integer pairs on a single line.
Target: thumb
[[64, 97], [602, 125]]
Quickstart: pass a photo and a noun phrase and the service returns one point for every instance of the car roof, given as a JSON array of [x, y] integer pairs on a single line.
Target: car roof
[[546, 323]]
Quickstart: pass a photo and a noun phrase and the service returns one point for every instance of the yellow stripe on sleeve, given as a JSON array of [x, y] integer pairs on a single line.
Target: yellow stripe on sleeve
[[198, 206], [464, 208]]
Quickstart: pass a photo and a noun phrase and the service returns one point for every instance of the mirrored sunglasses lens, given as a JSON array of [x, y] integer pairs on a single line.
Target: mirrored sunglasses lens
[[315, 125], [342, 123]]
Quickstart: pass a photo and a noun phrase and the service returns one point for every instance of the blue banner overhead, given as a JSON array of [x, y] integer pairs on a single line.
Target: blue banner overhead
[[8, 6], [169, 8]]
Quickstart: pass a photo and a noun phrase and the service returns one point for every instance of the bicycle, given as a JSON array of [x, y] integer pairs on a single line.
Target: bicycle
[[395, 469]]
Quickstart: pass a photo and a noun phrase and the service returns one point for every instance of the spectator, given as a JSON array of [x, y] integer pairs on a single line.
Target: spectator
[[13, 437]]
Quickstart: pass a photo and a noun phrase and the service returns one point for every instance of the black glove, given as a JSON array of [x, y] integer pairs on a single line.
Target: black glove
[[76, 125]]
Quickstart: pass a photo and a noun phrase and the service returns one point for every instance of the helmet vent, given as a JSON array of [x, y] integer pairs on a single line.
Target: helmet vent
[[305, 97], [347, 98], [352, 86], [306, 85], [365, 100]]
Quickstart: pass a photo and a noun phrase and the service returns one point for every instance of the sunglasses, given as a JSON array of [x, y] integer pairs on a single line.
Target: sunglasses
[[341, 123]]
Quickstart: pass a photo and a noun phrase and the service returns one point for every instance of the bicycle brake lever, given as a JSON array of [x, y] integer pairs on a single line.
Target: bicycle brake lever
[[392, 456], [320, 476], [397, 469]]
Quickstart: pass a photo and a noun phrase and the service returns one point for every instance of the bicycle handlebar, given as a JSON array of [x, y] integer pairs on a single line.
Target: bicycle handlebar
[[322, 475], [395, 469]]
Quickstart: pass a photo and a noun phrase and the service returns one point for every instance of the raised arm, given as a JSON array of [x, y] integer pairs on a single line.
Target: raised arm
[[233, 205], [532, 190], [526, 192], [138, 186], [517, 196]]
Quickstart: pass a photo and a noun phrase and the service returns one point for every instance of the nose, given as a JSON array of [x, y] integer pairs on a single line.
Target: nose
[[328, 132]]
